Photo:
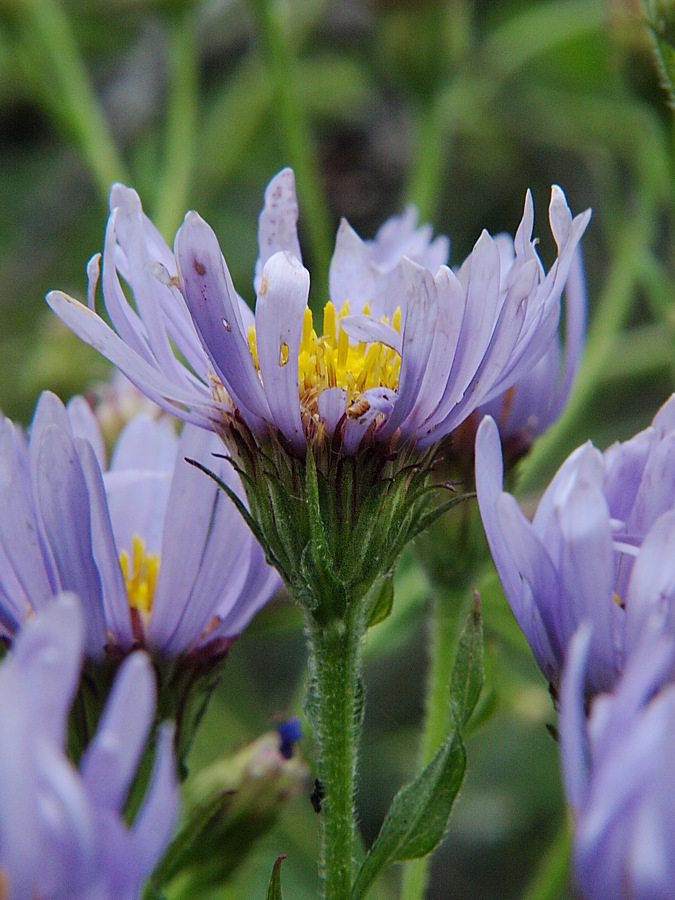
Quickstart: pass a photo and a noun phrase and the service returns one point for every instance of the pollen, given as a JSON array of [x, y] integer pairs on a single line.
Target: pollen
[[330, 360], [140, 570]]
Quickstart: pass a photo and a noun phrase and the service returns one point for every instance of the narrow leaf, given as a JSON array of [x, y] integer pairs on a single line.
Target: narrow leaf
[[418, 815], [467, 677], [274, 890]]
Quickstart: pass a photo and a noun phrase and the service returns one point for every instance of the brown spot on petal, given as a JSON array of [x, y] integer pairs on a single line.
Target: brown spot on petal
[[264, 284], [226, 324], [200, 268]]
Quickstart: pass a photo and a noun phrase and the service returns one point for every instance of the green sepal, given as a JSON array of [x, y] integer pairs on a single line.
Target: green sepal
[[274, 889], [248, 518], [430, 517], [418, 815], [383, 603]]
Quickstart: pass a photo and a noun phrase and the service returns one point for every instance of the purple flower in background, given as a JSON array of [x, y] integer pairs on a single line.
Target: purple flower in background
[[600, 547], [536, 400], [618, 773], [407, 349], [62, 832], [160, 557]]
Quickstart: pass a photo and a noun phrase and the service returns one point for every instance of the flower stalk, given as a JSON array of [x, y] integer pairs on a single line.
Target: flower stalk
[[334, 706]]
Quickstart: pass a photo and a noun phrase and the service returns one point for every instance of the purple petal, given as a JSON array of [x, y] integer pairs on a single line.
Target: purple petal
[[573, 741], [157, 816], [332, 404], [188, 523], [106, 551], [48, 651], [575, 330], [537, 610], [451, 300], [109, 762], [175, 398], [651, 590], [381, 402], [19, 529], [277, 225], [279, 318], [370, 330], [586, 574], [351, 278], [64, 504], [84, 424], [489, 486], [145, 444], [214, 306], [130, 230], [418, 336]]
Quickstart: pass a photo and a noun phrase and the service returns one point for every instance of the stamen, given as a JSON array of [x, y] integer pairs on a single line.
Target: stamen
[[331, 361], [140, 571]]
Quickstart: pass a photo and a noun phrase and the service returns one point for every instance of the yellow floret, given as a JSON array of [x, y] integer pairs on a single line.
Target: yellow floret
[[140, 575]]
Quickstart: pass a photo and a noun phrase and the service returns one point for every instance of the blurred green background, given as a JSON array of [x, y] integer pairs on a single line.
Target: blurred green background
[[458, 107]]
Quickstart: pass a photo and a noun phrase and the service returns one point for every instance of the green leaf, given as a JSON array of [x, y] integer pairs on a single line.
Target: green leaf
[[467, 677], [274, 890], [418, 815], [383, 603]]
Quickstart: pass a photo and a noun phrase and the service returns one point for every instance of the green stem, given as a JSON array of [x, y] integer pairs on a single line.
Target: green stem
[[334, 707], [432, 149], [443, 630], [52, 61], [278, 53], [181, 126]]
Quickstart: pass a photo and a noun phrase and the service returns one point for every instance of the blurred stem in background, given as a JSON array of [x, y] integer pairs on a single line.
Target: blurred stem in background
[[551, 877], [451, 554], [292, 117], [478, 77], [51, 62], [180, 141]]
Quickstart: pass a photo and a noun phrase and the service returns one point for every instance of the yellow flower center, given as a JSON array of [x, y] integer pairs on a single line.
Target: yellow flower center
[[331, 360], [140, 570]]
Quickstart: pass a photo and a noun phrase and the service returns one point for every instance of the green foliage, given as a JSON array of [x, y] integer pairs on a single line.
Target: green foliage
[[418, 816]]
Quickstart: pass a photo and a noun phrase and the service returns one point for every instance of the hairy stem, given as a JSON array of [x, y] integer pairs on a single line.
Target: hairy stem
[[334, 707]]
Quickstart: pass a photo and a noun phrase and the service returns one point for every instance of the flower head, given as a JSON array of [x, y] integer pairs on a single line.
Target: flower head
[[405, 351], [598, 549], [159, 556], [618, 773], [62, 832]]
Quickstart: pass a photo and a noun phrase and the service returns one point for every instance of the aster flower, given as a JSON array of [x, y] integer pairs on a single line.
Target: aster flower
[[161, 557], [599, 547], [404, 353], [618, 773], [62, 832]]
